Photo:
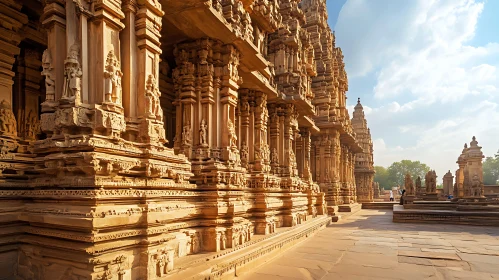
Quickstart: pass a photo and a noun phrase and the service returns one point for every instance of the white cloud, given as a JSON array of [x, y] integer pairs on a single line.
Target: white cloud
[[434, 89], [418, 48], [440, 144]]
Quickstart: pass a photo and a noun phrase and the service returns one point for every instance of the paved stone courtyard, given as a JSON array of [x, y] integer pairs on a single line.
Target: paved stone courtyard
[[368, 245]]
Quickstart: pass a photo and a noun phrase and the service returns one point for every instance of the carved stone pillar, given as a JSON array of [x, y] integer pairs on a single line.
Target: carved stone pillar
[[290, 129], [244, 120], [262, 150], [275, 139], [129, 62], [150, 113]]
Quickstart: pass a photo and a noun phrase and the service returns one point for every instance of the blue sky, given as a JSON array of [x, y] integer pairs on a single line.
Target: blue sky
[[426, 72]]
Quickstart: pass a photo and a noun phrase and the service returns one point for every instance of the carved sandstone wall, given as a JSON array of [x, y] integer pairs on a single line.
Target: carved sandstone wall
[[136, 133]]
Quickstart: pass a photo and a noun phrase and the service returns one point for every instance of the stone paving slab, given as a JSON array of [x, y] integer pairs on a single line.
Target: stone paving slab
[[368, 245]]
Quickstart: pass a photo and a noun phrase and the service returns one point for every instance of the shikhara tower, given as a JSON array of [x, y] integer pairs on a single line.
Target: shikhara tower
[[364, 161]]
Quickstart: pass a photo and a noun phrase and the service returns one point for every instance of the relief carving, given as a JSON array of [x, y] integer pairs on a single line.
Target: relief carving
[[32, 126], [8, 124], [48, 73], [153, 104], [113, 75], [186, 134], [232, 134], [72, 76], [203, 130]]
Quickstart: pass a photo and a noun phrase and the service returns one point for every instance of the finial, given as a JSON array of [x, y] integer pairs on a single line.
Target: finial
[[474, 138], [358, 100]]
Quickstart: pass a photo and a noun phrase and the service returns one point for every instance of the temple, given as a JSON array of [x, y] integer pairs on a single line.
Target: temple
[[137, 134], [469, 204], [364, 161]]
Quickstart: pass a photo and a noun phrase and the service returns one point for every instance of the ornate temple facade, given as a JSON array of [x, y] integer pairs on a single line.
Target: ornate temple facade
[[364, 161], [137, 133]]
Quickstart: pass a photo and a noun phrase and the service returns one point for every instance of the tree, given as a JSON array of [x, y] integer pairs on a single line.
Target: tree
[[381, 177], [491, 170], [397, 171]]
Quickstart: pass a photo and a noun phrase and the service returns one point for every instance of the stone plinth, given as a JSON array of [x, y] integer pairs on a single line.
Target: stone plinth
[[479, 218]]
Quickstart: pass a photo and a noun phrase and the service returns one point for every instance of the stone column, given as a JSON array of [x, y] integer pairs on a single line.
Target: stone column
[[147, 28], [228, 101], [262, 150], [290, 127], [129, 50], [306, 146], [244, 111], [275, 139]]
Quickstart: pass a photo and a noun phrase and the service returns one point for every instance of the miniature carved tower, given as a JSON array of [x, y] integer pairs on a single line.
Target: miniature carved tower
[[448, 181], [473, 171]]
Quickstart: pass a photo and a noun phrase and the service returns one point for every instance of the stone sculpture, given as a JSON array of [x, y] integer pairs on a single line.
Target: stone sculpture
[[72, 76], [203, 133], [113, 76]]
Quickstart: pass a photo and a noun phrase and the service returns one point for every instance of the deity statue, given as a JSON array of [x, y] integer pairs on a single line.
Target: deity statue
[[32, 126], [153, 105], [244, 151], [275, 156], [8, 124], [72, 76], [232, 133], [203, 133], [112, 75], [47, 72], [476, 186], [186, 134]]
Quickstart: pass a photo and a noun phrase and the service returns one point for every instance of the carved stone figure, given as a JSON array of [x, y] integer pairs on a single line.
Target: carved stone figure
[[72, 76], [32, 126], [275, 156], [48, 73], [153, 105], [203, 133], [476, 188], [244, 151], [186, 134], [232, 133], [8, 124], [112, 75]]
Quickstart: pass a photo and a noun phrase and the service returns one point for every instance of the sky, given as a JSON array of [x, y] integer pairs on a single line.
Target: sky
[[426, 72]]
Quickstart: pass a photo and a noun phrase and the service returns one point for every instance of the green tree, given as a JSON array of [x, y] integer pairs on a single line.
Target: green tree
[[491, 170], [381, 177], [397, 171]]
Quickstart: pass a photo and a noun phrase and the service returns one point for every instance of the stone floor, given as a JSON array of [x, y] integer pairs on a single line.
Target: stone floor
[[368, 245]]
